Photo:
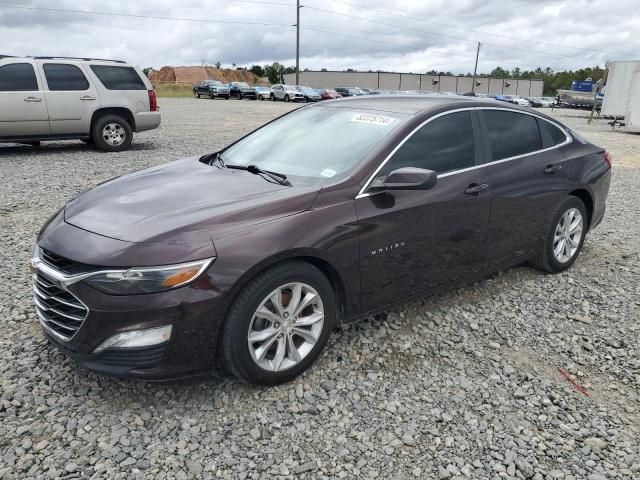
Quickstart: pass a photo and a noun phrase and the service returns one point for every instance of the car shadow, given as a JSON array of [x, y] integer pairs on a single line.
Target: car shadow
[[64, 148]]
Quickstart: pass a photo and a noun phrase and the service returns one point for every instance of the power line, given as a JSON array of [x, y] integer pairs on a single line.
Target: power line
[[315, 29], [133, 15], [418, 19], [333, 12]]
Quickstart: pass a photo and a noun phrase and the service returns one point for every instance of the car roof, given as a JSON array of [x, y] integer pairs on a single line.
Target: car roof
[[410, 104]]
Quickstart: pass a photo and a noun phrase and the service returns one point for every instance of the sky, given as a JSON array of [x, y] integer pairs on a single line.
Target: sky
[[392, 35]]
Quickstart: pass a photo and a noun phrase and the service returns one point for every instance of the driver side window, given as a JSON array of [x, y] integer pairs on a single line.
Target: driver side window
[[442, 145]]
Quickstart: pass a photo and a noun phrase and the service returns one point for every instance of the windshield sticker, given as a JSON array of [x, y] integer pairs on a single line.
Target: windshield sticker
[[373, 119], [327, 172]]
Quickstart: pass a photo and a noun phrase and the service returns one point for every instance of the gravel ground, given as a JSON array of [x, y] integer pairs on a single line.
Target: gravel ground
[[463, 385]]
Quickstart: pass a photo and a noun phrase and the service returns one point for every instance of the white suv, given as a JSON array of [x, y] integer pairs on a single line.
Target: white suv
[[55, 98]]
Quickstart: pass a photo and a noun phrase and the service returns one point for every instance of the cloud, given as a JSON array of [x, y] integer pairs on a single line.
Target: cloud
[[420, 35]]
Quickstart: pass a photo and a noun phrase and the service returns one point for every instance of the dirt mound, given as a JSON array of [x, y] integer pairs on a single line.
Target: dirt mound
[[194, 74]]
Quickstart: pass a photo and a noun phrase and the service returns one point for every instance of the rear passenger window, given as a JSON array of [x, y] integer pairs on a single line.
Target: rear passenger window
[[442, 145], [64, 77], [511, 134], [121, 78], [18, 77], [551, 135]]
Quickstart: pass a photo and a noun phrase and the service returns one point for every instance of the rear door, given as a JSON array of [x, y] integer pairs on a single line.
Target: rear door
[[414, 240], [529, 178], [71, 98], [23, 109]]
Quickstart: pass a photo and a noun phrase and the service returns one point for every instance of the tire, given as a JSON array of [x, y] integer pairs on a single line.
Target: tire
[[196, 94], [286, 98], [546, 259], [239, 95], [236, 353], [119, 125], [272, 97], [212, 96], [227, 97]]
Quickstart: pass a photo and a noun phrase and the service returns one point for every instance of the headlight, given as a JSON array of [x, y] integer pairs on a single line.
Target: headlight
[[136, 281]]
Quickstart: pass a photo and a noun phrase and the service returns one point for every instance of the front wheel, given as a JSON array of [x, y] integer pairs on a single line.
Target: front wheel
[[112, 133], [196, 94], [564, 237], [279, 324], [286, 98], [212, 96]]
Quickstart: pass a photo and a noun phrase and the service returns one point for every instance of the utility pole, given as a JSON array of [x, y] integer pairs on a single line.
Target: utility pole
[[475, 70], [297, 42]]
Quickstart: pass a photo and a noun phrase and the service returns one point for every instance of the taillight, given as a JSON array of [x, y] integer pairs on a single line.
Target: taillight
[[153, 101], [608, 158]]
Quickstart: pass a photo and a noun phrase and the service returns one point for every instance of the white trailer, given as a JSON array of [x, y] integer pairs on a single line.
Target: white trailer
[[619, 87], [632, 115]]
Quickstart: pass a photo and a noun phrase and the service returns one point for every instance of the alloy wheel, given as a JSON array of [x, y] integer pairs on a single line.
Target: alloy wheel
[[568, 235], [286, 327], [114, 134]]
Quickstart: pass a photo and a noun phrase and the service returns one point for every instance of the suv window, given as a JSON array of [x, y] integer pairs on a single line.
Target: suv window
[[442, 145], [511, 133], [118, 78], [551, 135], [64, 77], [18, 77]]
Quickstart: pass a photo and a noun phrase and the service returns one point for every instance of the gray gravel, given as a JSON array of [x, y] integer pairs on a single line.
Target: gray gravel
[[462, 385]]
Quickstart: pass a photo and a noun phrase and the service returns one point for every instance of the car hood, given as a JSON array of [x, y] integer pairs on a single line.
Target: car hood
[[182, 199]]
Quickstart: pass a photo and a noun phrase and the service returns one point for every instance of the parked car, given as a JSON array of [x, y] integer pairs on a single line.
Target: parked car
[[349, 91], [210, 88], [504, 98], [242, 90], [54, 98], [263, 93], [534, 101], [523, 102], [310, 94], [250, 256], [329, 94], [287, 93]]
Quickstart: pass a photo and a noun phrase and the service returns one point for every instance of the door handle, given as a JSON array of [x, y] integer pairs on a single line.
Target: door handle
[[32, 99], [87, 97], [475, 189], [552, 168]]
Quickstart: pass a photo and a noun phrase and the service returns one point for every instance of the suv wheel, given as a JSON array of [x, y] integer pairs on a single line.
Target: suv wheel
[[239, 96], [564, 237], [212, 96], [196, 94], [112, 133], [279, 324], [286, 98], [273, 97]]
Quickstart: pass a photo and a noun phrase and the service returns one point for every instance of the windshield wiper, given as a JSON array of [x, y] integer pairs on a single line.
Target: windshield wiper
[[217, 158], [266, 174]]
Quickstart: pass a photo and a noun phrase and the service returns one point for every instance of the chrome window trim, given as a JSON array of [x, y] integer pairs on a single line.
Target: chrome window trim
[[569, 139]]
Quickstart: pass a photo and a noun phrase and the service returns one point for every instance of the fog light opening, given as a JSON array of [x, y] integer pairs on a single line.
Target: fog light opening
[[136, 338]]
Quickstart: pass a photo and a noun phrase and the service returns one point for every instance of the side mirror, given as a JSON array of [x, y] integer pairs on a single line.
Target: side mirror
[[407, 178]]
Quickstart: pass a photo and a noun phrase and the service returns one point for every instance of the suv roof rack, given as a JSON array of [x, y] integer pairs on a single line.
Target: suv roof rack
[[6, 56], [86, 59]]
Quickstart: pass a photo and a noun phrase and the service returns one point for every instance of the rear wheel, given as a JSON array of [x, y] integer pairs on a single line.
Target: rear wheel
[[196, 94], [273, 97], [112, 133], [564, 237], [279, 324]]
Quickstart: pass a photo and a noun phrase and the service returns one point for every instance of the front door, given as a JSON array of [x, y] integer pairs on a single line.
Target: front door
[[414, 240], [71, 99], [23, 111]]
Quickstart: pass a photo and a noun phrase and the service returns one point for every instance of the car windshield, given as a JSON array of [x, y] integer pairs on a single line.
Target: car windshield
[[330, 91], [214, 82], [242, 85], [297, 144]]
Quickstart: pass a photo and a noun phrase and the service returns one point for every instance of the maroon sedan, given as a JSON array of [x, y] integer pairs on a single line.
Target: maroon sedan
[[329, 94], [251, 256]]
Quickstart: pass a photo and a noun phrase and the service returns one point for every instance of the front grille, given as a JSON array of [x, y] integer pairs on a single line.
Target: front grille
[[58, 309], [64, 264]]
